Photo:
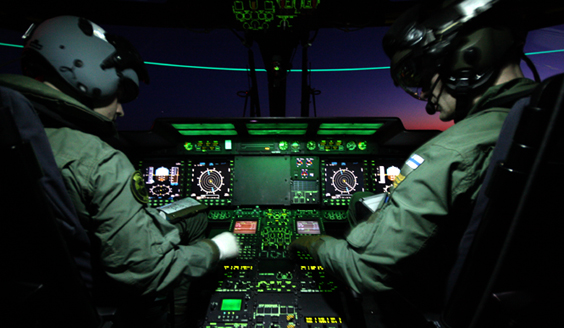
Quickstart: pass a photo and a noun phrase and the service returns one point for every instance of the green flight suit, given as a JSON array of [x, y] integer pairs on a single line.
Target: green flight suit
[[135, 246], [409, 243]]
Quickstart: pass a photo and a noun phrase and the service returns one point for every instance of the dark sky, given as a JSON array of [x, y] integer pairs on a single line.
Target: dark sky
[[189, 92]]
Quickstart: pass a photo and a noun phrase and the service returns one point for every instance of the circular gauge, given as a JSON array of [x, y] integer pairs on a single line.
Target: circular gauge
[[351, 145], [362, 145], [344, 181], [283, 145], [295, 146], [311, 145], [160, 190], [188, 146], [210, 181]]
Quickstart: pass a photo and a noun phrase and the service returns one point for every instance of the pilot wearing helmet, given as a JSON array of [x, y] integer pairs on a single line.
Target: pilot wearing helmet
[[466, 67], [77, 77]]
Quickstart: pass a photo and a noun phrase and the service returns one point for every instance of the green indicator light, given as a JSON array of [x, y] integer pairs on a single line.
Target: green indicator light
[[283, 145], [207, 132], [311, 145], [231, 305], [203, 126]]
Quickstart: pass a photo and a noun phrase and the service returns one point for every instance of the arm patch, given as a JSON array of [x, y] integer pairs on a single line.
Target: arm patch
[[138, 188], [410, 165]]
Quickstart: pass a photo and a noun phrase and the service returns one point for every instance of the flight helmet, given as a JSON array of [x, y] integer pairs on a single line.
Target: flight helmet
[[82, 60]]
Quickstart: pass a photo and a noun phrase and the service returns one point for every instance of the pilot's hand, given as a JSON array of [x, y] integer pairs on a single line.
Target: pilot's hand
[[303, 244], [227, 244]]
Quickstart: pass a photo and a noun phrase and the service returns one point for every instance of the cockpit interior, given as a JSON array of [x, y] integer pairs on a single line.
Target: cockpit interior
[[273, 114]]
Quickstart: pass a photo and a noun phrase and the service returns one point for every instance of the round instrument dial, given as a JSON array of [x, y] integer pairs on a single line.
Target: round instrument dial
[[211, 181], [160, 190], [344, 181]]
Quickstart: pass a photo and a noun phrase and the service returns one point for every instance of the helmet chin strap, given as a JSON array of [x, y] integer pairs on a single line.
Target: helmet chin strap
[[431, 106], [463, 104]]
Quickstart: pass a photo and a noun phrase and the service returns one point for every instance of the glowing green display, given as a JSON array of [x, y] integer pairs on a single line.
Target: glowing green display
[[205, 129], [341, 126], [362, 129], [347, 132], [263, 126], [277, 128], [276, 132], [207, 132], [231, 305], [203, 126]]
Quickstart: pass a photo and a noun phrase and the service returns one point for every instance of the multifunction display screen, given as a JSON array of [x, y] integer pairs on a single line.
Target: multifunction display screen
[[211, 181], [163, 179]]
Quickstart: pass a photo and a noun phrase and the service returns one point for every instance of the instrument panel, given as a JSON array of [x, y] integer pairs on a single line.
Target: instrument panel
[[270, 181], [266, 180]]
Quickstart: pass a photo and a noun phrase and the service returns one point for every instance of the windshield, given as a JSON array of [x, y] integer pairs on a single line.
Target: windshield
[[198, 73]]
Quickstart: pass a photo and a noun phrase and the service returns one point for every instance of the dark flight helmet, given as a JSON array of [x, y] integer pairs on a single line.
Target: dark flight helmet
[[457, 40], [83, 61]]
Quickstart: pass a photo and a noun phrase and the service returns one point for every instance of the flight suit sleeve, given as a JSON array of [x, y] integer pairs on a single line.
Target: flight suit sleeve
[[383, 249], [138, 247]]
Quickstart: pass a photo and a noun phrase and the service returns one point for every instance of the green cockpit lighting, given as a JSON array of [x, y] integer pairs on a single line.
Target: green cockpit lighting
[[277, 128], [363, 129], [205, 129], [231, 304], [266, 14]]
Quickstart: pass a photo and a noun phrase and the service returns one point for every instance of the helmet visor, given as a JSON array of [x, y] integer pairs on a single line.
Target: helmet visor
[[413, 76], [126, 57]]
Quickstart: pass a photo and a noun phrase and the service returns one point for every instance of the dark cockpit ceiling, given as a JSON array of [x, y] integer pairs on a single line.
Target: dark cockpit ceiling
[[221, 13]]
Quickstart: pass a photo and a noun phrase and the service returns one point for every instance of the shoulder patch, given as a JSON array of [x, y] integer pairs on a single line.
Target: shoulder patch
[[138, 188], [411, 165]]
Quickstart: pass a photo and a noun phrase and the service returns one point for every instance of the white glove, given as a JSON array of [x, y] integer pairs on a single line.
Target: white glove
[[227, 244]]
